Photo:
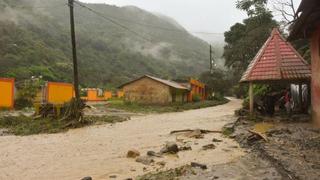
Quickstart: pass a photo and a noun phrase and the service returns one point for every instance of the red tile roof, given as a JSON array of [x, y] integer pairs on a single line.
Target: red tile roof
[[277, 60]]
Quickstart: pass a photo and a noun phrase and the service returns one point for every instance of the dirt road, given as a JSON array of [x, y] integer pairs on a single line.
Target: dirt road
[[100, 151]]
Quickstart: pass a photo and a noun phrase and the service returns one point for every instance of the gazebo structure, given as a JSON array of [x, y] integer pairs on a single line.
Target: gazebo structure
[[307, 25], [276, 61]]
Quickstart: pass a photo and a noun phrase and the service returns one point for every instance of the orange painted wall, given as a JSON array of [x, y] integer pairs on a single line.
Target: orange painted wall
[[59, 93], [120, 94], [6, 93], [107, 95], [197, 87], [315, 77]]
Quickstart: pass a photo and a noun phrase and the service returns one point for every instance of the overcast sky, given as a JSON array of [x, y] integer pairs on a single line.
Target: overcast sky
[[195, 15]]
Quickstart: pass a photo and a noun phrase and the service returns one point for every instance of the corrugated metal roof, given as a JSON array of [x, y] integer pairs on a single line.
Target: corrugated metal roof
[[277, 60], [166, 82]]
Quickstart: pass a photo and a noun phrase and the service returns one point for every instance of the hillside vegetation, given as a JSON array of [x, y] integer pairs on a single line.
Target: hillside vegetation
[[34, 40]]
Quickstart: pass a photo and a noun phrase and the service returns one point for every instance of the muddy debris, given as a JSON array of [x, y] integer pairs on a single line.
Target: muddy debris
[[208, 147], [87, 178], [133, 153], [185, 148], [170, 147], [198, 165], [161, 163], [146, 160], [154, 154], [113, 176], [216, 140]]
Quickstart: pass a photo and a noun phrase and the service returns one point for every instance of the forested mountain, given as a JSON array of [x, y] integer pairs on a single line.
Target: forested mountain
[[35, 40]]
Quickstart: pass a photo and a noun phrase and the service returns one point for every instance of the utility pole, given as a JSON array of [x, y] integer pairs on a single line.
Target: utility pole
[[211, 60], [74, 52]]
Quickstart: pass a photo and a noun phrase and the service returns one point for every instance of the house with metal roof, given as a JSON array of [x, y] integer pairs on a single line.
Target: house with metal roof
[[277, 61], [152, 90]]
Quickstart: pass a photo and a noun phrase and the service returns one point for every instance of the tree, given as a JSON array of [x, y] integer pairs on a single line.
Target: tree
[[245, 39], [219, 80]]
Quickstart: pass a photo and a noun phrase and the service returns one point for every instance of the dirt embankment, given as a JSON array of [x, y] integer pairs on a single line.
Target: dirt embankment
[[292, 147]]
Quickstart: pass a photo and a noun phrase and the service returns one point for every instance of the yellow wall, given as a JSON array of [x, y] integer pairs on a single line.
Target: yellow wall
[[92, 95], [120, 94], [59, 93], [6, 93], [107, 95]]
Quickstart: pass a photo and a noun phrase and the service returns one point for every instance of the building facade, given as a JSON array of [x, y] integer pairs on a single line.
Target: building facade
[[152, 90]]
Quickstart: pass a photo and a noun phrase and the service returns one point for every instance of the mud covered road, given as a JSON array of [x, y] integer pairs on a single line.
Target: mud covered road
[[100, 151]]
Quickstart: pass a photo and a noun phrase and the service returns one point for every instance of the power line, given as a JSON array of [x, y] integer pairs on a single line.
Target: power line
[[112, 21], [153, 26], [122, 26]]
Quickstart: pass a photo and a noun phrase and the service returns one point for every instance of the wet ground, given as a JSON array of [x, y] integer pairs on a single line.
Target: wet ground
[[293, 146], [100, 151]]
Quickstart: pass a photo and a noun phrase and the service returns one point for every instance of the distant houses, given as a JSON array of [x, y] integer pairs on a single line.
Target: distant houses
[[152, 90]]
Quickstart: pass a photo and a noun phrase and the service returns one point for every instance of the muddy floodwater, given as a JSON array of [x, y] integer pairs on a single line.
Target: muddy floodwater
[[100, 151]]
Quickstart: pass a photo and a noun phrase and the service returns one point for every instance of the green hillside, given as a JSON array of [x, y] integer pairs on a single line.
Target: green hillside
[[34, 40]]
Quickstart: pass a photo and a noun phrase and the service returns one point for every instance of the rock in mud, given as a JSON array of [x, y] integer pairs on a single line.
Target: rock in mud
[[216, 140], [202, 166], [154, 154], [133, 153], [208, 146], [87, 178], [161, 163], [113, 176], [185, 148], [146, 160], [170, 147]]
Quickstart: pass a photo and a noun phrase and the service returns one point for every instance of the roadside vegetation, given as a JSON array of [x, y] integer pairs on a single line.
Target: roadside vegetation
[[24, 125], [175, 107]]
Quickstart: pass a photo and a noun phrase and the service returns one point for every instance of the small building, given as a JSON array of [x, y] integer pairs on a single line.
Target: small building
[[197, 88], [6, 93], [58, 92], [307, 26], [276, 62], [151, 90]]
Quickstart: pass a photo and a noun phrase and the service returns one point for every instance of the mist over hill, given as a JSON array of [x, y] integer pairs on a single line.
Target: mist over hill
[[35, 40]]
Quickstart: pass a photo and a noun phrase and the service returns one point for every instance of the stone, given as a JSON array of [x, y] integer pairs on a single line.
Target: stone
[[161, 163], [146, 160], [87, 178], [185, 148], [208, 146], [133, 153], [202, 166], [113, 176], [216, 140], [152, 153], [170, 147]]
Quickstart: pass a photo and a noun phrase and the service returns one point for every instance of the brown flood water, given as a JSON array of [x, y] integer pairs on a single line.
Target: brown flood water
[[100, 151]]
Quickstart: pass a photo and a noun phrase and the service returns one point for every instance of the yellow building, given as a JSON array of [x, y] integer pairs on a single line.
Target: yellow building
[[6, 93]]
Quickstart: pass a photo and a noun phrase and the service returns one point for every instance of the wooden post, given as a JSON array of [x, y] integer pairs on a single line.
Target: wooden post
[[251, 97], [74, 52], [300, 98], [315, 77]]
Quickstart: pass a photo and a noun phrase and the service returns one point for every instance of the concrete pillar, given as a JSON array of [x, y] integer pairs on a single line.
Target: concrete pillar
[[315, 77], [251, 98]]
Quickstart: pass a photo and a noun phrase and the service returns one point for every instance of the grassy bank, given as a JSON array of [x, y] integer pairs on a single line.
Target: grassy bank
[[176, 107], [22, 125]]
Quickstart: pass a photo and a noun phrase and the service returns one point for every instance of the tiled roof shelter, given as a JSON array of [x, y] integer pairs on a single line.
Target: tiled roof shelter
[[277, 60]]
